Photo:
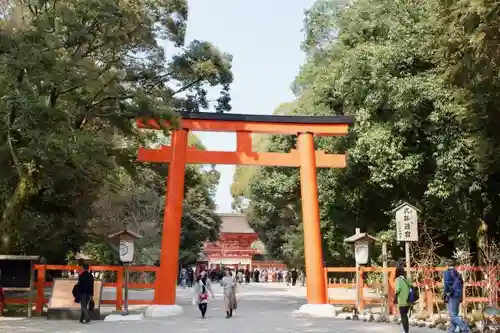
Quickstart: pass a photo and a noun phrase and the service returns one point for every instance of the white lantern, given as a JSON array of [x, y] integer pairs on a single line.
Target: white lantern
[[361, 242], [126, 247], [361, 252]]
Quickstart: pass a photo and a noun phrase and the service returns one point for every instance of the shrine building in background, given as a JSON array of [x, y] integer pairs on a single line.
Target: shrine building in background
[[238, 247]]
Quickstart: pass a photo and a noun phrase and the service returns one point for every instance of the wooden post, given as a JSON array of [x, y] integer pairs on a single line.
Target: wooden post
[[429, 291], [407, 254], [119, 289], [360, 288], [385, 277], [356, 285], [313, 247], [392, 290], [493, 286], [31, 289], [40, 294], [165, 292], [125, 303]]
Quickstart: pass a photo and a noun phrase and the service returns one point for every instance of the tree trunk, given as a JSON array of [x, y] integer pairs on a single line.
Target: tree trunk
[[26, 188]]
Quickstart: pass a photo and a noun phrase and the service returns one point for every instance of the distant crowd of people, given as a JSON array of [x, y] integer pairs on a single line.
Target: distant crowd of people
[[289, 277]]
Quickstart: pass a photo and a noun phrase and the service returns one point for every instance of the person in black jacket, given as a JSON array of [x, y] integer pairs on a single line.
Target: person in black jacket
[[295, 275], [85, 292]]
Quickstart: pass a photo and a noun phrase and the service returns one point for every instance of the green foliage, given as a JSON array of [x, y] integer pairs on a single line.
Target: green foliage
[[421, 80], [243, 174], [139, 206], [74, 76], [101, 252]]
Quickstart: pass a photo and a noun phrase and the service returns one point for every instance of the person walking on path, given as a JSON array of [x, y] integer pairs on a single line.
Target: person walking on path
[[85, 289], [190, 277], [228, 284], [295, 275], [453, 295], [288, 278], [202, 287], [403, 284], [183, 277], [247, 276]]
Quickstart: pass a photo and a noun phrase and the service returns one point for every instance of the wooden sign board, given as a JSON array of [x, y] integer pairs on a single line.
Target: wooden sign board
[[15, 271], [406, 223], [62, 303]]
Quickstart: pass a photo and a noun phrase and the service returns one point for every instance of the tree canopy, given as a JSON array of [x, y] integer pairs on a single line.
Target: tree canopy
[[421, 80], [74, 76]]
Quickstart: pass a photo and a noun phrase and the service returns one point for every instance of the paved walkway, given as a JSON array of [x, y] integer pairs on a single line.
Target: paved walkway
[[261, 309]]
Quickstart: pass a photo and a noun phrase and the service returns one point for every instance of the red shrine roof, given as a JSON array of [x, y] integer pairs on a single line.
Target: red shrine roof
[[238, 241], [235, 224]]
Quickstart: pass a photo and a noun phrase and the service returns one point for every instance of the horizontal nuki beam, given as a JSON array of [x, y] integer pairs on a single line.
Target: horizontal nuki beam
[[196, 156]]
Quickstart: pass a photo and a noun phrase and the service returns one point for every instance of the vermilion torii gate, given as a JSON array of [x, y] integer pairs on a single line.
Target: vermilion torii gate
[[178, 154]]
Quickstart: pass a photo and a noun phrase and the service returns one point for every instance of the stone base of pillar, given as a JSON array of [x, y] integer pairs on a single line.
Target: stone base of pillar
[[160, 311], [317, 310], [120, 317]]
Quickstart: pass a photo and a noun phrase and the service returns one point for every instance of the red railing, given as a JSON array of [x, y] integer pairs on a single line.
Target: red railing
[[429, 280], [41, 284], [344, 283]]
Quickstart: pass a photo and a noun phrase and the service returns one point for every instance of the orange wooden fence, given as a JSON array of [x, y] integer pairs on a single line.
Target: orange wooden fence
[[41, 284], [429, 280], [363, 284]]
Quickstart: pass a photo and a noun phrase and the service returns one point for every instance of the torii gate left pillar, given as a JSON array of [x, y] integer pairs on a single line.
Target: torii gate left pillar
[[178, 154]]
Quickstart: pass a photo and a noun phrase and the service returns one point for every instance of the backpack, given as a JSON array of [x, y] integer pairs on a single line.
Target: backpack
[[413, 295], [457, 283]]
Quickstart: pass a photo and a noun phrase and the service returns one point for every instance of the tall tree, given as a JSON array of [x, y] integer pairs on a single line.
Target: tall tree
[[139, 206], [74, 75], [420, 79]]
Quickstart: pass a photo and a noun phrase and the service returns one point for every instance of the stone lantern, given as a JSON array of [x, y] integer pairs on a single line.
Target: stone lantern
[[126, 240], [361, 242]]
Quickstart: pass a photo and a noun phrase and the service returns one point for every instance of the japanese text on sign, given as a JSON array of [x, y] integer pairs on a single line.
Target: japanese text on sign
[[407, 224]]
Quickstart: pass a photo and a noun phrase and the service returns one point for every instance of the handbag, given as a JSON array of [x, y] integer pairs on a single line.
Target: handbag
[[204, 295], [91, 304], [76, 293]]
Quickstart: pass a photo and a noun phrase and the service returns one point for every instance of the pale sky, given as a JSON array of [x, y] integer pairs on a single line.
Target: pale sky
[[264, 38]]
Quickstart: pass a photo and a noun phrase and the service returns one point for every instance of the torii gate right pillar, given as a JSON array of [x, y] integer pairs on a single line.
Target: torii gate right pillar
[[313, 249]]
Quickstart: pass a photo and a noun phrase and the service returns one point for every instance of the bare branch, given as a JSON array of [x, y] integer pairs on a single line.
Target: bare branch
[[186, 87]]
